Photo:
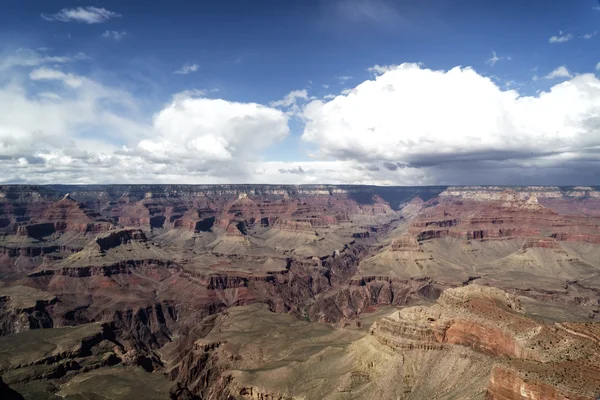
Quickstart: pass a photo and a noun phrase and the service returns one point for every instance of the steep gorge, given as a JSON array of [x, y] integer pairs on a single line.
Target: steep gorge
[[171, 272]]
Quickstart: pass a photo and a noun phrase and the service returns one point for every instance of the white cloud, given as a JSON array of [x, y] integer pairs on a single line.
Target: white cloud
[[187, 69], [88, 15], [590, 35], [49, 137], [209, 134], [409, 125], [34, 58], [116, 35], [290, 99], [380, 69], [560, 72], [329, 96], [95, 133], [333, 172], [561, 37], [433, 120], [326, 86], [343, 79], [71, 80], [50, 95], [598, 66]]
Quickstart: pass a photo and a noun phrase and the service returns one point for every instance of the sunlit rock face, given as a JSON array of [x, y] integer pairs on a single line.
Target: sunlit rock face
[[242, 291]]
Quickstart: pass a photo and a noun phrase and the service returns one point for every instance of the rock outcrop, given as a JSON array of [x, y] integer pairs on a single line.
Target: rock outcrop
[[535, 359], [270, 291]]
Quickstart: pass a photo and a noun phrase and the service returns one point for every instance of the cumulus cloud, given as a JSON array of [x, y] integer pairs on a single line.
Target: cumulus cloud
[[89, 132], [187, 69], [561, 37], [43, 138], [444, 122], [211, 135], [560, 72], [88, 15], [115, 35], [408, 125]]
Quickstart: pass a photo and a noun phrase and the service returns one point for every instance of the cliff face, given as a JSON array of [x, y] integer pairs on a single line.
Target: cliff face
[[535, 360], [163, 266]]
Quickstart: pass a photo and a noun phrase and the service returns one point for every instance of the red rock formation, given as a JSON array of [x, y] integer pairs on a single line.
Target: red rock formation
[[500, 216], [66, 215], [536, 360]]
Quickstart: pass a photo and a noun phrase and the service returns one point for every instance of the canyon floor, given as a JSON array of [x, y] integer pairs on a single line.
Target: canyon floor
[[299, 292]]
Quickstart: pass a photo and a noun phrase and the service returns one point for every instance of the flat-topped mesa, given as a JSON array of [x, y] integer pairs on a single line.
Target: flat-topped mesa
[[116, 238], [405, 243]]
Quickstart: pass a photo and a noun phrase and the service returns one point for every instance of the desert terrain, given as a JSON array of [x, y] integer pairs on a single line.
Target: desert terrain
[[299, 292]]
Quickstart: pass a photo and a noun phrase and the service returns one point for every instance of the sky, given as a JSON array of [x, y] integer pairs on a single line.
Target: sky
[[385, 92]]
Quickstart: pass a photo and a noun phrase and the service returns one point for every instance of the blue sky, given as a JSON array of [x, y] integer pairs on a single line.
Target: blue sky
[[139, 59]]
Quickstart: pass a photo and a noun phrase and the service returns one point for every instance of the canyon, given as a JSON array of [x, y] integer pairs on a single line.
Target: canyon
[[299, 292]]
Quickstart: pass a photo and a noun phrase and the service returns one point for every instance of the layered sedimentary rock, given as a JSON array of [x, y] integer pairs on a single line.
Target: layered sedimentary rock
[[534, 359], [206, 284]]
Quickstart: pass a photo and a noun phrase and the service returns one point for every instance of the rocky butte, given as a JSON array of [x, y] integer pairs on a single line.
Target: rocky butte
[[299, 292]]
